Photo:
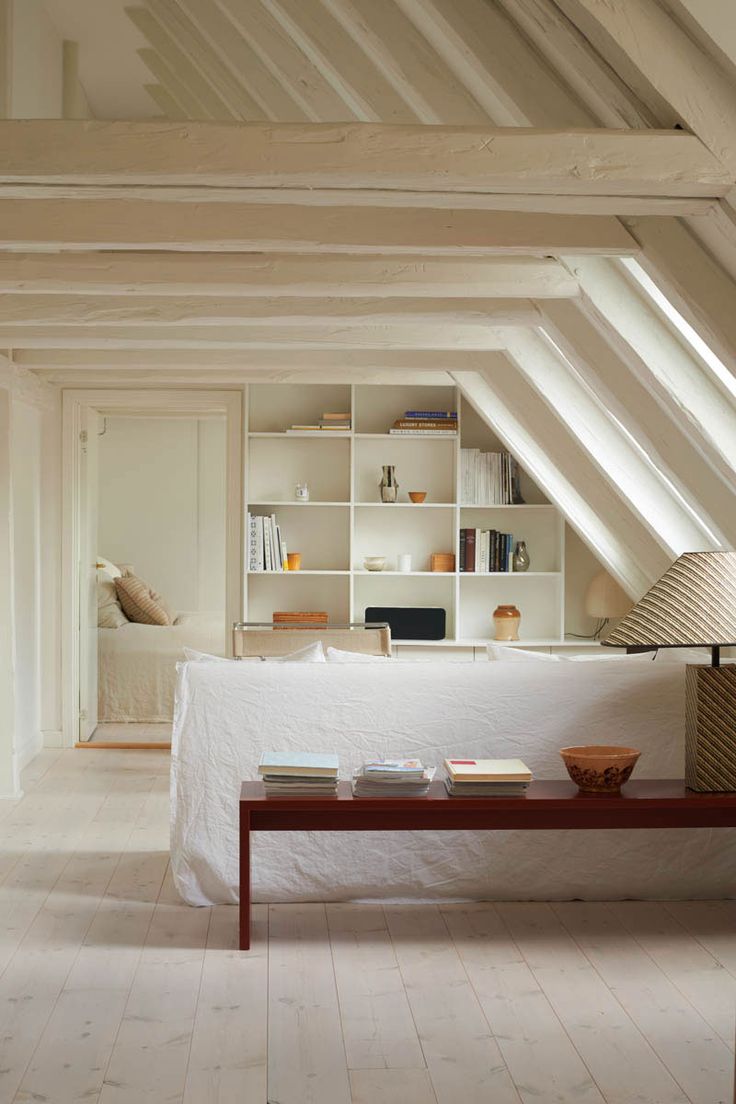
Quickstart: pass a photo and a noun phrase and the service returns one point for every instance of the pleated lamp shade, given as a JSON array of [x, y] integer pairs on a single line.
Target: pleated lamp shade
[[692, 605], [605, 599]]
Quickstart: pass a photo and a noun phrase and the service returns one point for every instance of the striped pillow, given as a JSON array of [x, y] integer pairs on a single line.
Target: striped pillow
[[140, 603]]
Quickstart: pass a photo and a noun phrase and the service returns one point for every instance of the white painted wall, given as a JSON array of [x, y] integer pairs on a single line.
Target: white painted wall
[[36, 77], [26, 514], [162, 505]]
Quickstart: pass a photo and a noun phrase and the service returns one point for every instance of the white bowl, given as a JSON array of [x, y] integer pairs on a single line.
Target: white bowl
[[374, 563]]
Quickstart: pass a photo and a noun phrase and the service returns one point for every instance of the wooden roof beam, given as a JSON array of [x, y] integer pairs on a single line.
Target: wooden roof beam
[[341, 276], [405, 158], [50, 225]]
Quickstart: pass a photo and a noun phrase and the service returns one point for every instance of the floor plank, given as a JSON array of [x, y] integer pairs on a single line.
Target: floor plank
[[697, 1058], [624, 1066], [712, 924], [392, 1086], [377, 1023], [544, 1064], [704, 981], [306, 1055], [462, 1056], [228, 1057]]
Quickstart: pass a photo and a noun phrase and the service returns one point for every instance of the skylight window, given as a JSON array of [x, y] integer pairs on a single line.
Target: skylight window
[[696, 343]]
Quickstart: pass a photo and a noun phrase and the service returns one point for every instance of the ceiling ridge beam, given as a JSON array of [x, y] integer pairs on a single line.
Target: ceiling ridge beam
[[48, 226], [564, 472], [223, 275], [240, 103], [426, 361]]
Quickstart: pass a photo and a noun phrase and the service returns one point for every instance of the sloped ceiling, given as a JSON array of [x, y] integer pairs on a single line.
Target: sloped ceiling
[[618, 418]]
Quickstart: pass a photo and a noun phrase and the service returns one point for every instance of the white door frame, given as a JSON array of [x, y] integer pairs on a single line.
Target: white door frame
[[134, 401]]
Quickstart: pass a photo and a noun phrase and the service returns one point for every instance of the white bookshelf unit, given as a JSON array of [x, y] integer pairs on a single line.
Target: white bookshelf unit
[[345, 520]]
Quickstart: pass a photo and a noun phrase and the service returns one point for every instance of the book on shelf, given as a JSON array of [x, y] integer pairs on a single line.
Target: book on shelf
[[486, 777], [392, 778], [439, 422], [299, 774], [485, 551], [299, 619], [423, 432], [489, 479], [432, 415], [266, 545]]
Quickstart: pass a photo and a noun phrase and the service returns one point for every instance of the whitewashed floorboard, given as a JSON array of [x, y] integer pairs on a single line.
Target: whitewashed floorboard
[[463, 1058], [228, 1057], [392, 1086], [543, 1062], [704, 981], [306, 1054], [377, 1023], [621, 1060], [710, 923], [697, 1058]]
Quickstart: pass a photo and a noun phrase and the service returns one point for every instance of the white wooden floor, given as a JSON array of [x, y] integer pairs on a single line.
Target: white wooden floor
[[132, 732], [112, 991]]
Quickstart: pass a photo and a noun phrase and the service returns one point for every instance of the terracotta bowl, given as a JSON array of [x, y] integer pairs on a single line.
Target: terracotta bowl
[[600, 768], [417, 496]]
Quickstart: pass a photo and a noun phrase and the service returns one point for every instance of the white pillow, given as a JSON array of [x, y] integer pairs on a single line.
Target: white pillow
[[335, 655], [109, 611], [312, 653], [519, 655], [202, 657]]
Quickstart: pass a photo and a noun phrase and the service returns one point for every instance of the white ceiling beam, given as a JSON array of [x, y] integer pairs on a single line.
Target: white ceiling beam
[[652, 52], [338, 334], [563, 470], [395, 361], [372, 197], [620, 463], [179, 63], [238, 100], [221, 275], [607, 99], [358, 82], [208, 375], [407, 61], [6, 56], [302, 79], [694, 283], [408, 158], [48, 225], [176, 87], [654, 425], [164, 100], [675, 371], [239, 58], [156, 312], [488, 55]]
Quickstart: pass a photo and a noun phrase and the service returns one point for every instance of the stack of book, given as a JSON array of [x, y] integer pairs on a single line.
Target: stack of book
[[489, 479], [485, 550], [392, 778], [299, 773], [266, 546], [487, 777], [299, 619], [330, 422], [435, 423]]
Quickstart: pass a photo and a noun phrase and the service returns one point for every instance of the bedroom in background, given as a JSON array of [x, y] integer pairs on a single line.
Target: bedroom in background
[[149, 512]]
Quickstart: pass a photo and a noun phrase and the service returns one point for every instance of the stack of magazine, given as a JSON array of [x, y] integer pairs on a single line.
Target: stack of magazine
[[299, 773], [487, 777], [392, 778]]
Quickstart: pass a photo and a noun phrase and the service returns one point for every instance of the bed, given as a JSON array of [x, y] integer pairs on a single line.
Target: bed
[[137, 664], [228, 713]]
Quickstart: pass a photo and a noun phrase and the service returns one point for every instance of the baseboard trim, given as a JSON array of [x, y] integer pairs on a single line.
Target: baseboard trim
[[52, 737], [123, 745], [30, 750]]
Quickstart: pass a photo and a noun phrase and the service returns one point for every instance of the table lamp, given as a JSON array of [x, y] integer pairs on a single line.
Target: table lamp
[[694, 606], [605, 600]]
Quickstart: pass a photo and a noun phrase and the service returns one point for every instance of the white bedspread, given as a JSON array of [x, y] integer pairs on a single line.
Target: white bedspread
[[137, 664], [228, 713]]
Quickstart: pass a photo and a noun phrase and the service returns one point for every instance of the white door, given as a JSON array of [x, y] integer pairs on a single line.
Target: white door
[[88, 482]]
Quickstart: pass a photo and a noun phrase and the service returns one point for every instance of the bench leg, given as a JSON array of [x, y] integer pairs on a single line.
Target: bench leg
[[244, 881]]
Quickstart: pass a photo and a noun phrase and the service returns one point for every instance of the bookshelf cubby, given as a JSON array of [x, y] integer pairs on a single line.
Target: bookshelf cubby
[[345, 520]]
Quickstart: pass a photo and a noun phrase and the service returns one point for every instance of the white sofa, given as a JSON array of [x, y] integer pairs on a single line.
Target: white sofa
[[228, 713]]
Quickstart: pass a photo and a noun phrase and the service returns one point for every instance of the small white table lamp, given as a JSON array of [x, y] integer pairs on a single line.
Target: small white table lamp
[[605, 600]]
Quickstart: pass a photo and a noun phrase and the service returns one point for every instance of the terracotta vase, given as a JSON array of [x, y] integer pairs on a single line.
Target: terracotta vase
[[506, 621]]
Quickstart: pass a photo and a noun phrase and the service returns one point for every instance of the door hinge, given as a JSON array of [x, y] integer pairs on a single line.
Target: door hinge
[[83, 714], [83, 438]]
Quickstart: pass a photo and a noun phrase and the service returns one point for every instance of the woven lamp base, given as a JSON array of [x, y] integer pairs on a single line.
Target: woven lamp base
[[710, 728]]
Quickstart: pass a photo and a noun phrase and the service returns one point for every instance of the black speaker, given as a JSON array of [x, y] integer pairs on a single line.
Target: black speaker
[[411, 622]]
